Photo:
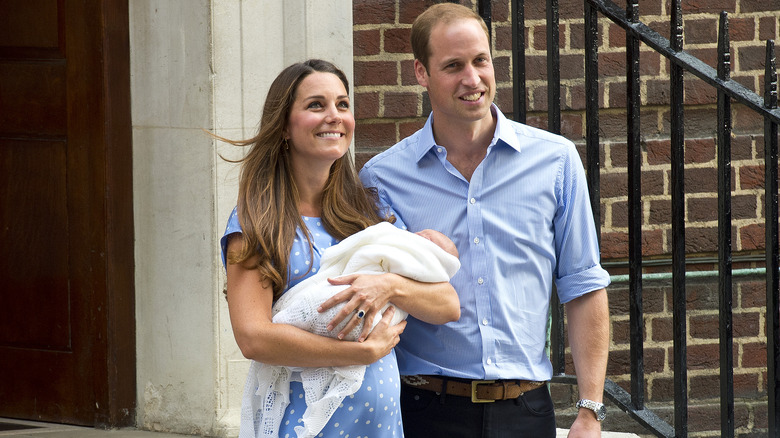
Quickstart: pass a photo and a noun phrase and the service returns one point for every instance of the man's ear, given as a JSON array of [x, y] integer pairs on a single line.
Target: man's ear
[[421, 73]]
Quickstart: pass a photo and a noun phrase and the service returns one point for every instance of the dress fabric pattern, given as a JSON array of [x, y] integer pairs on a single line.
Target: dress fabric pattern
[[372, 411]]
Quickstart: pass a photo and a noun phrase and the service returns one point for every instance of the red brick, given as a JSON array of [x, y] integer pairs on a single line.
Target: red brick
[[757, 6], [618, 97], [662, 389], [660, 212], [375, 73], [572, 66], [699, 240], [698, 92], [702, 295], [702, 209], [746, 385], [701, 31], [501, 67], [658, 151], [620, 361], [366, 42], [618, 154], [702, 357], [612, 125], [619, 214], [612, 64], [742, 28], [703, 418], [617, 36], [576, 36], [503, 38], [704, 326], [751, 177], [613, 185], [535, 67], [504, 100], [398, 40], [709, 6], [751, 58], [374, 135], [652, 182], [373, 12], [366, 105], [746, 324], [406, 129], [753, 355], [752, 237], [407, 73], [577, 97], [767, 28], [620, 332], [752, 294], [704, 386], [746, 121], [701, 180], [408, 10], [618, 299], [708, 55], [401, 105], [662, 329], [539, 101], [654, 299], [658, 92], [614, 245], [741, 147], [747, 80], [571, 125], [744, 207], [500, 11]]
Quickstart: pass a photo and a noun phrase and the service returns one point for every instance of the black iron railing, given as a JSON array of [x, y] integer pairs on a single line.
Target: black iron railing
[[728, 91]]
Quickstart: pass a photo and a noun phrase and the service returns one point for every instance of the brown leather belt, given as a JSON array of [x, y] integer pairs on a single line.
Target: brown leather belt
[[480, 391]]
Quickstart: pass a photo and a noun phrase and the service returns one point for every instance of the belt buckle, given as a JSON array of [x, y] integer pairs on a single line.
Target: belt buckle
[[474, 384]]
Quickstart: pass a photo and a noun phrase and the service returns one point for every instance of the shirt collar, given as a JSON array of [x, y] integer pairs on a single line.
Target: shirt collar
[[505, 132]]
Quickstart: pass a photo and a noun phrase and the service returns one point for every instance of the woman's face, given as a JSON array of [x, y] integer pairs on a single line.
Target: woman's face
[[320, 125]]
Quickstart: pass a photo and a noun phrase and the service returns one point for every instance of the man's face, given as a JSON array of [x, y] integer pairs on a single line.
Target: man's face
[[460, 79]]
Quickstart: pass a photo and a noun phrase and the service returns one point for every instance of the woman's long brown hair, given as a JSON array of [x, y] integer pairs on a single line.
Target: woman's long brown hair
[[267, 193]]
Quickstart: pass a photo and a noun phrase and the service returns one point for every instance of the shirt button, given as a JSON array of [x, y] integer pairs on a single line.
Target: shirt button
[[480, 280], [476, 240], [484, 321], [489, 361], [473, 200], [438, 150]]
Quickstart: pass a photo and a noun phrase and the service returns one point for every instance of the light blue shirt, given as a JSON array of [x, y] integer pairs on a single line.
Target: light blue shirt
[[522, 221]]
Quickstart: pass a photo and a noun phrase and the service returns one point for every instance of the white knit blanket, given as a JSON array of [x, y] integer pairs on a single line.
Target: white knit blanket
[[377, 249]]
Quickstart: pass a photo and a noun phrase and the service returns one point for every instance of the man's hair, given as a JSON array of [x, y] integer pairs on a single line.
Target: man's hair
[[444, 13]]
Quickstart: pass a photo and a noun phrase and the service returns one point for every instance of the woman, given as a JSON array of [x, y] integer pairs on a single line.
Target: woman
[[298, 195]]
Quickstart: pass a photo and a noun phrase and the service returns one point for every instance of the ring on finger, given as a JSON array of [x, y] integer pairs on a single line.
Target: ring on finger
[[361, 313]]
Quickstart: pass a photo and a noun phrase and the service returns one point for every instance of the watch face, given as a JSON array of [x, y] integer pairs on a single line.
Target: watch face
[[602, 413]]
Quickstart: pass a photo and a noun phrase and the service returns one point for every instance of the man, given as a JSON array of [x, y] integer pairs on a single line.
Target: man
[[514, 199]]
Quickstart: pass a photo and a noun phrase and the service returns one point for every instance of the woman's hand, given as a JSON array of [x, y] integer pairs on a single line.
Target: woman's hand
[[364, 299], [384, 336]]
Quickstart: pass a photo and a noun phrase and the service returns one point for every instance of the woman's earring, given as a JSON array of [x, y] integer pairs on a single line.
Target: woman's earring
[[286, 145]]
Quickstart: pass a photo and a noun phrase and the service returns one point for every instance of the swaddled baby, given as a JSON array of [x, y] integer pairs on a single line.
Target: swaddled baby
[[427, 256], [367, 253]]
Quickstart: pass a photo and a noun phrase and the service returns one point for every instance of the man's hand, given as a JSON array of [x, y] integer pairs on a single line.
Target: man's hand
[[585, 425]]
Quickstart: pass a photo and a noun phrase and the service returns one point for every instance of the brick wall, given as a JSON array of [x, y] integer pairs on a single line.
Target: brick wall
[[390, 105]]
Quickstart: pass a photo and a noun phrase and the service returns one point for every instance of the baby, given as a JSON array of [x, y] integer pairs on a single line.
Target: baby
[[426, 256], [378, 249]]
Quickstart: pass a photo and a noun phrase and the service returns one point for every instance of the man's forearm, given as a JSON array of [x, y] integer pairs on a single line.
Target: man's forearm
[[588, 322]]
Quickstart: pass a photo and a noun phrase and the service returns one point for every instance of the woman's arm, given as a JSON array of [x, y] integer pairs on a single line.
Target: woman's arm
[[434, 303], [250, 300]]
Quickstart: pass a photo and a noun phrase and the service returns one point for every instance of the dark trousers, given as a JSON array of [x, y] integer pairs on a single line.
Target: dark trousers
[[427, 414]]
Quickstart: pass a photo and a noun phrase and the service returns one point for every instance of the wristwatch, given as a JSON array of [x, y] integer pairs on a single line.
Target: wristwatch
[[598, 408]]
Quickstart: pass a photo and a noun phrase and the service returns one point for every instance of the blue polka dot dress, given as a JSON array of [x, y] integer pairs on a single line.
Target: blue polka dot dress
[[374, 410]]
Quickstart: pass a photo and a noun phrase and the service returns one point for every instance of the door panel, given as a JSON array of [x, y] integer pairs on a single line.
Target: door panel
[[66, 287]]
